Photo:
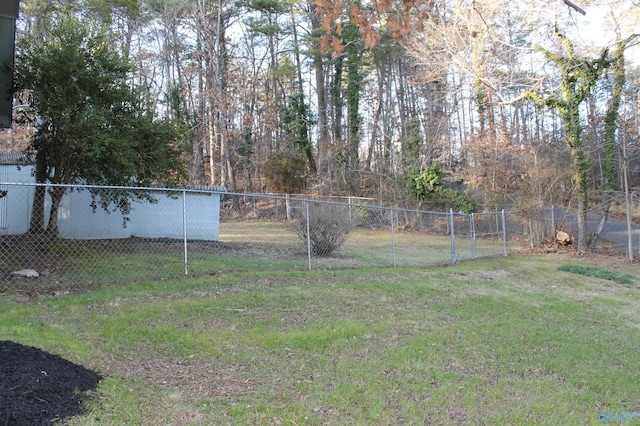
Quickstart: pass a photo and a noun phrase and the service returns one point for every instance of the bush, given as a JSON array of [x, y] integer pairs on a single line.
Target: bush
[[605, 274], [428, 184], [285, 172], [329, 225]]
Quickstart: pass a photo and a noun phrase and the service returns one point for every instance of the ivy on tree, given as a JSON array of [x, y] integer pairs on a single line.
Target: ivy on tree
[[427, 184], [296, 120], [578, 77], [92, 125]]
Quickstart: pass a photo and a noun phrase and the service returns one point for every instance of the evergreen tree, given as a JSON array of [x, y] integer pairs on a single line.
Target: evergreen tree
[[92, 125]]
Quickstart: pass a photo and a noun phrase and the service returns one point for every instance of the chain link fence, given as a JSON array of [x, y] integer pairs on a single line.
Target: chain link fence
[[118, 234]]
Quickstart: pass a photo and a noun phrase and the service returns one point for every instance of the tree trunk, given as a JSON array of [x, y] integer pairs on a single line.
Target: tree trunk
[[374, 127], [610, 126], [577, 78], [321, 90], [579, 164], [625, 171], [57, 193], [36, 225], [582, 226], [296, 54]]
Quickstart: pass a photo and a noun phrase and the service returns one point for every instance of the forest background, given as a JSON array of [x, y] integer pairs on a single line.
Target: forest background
[[396, 100]]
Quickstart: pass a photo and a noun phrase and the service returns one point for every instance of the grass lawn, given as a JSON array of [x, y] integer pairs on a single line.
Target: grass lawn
[[507, 340]]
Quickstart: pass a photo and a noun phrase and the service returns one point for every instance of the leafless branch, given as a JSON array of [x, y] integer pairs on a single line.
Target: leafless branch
[[575, 7]]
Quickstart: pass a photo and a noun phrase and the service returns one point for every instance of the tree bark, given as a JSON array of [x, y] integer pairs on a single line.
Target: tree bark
[[57, 193], [36, 225], [610, 127], [321, 93]]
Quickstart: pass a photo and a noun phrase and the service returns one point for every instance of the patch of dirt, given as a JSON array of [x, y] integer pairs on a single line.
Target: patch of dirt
[[190, 377], [39, 388], [604, 257]]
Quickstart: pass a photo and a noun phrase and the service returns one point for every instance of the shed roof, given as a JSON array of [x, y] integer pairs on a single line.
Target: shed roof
[[207, 188], [14, 158], [19, 158]]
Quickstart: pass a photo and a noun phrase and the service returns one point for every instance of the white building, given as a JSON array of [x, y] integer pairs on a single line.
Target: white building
[[200, 207]]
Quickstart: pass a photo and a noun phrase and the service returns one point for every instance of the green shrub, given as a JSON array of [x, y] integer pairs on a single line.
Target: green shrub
[[605, 274], [428, 184]]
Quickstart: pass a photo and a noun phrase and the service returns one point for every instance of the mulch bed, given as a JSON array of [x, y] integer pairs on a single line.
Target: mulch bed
[[39, 388]]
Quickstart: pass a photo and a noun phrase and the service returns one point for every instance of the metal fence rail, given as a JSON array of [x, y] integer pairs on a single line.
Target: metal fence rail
[[166, 233]]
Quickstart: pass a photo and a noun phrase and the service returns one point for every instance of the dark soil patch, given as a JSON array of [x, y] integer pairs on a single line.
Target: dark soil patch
[[39, 388]]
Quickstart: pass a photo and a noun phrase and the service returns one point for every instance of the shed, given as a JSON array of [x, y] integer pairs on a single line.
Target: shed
[[196, 209], [15, 203]]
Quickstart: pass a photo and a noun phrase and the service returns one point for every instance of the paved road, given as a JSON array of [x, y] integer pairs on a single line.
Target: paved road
[[615, 231]]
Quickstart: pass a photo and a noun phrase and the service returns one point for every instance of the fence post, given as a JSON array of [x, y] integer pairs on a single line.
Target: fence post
[[184, 231], [453, 238], [504, 232], [472, 226], [530, 223], [306, 204], [287, 204], [393, 239]]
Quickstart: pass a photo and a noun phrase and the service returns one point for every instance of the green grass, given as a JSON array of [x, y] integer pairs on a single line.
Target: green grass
[[494, 341], [605, 274], [244, 246]]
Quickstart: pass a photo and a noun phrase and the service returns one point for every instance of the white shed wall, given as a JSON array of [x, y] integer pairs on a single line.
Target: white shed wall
[[77, 220], [15, 207]]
